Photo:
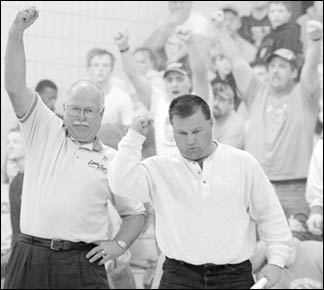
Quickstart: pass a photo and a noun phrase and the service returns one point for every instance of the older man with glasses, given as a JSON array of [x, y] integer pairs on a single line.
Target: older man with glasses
[[64, 211]]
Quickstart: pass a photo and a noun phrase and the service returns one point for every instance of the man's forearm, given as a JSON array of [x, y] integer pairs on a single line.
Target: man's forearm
[[312, 59], [130, 229], [198, 66], [158, 38], [15, 61]]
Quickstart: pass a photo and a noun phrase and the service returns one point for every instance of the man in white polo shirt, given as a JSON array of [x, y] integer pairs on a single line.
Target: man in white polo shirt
[[208, 201], [64, 213]]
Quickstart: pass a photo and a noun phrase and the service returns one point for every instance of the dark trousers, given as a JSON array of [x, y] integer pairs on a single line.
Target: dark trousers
[[181, 275], [37, 267]]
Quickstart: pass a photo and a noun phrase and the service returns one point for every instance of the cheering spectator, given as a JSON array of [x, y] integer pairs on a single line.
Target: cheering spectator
[[256, 25], [284, 34]]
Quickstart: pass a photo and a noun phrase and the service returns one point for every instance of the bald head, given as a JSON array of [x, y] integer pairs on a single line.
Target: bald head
[[86, 91]]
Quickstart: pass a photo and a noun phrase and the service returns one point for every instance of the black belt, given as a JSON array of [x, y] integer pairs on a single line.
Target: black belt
[[55, 244], [289, 181], [208, 266]]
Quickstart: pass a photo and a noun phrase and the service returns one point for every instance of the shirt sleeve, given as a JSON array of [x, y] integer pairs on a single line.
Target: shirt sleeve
[[314, 191], [128, 207], [253, 91], [265, 209], [38, 124], [128, 176]]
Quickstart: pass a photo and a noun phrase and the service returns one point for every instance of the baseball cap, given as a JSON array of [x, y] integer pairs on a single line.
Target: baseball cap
[[230, 8], [177, 67], [285, 54], [222, 89]]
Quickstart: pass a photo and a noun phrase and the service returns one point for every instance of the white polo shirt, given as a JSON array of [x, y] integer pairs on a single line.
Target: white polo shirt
[[65, 191], [204, 215]]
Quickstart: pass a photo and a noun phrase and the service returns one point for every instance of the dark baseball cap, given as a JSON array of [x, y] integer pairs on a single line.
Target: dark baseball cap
[[285, 54], [230, 8]]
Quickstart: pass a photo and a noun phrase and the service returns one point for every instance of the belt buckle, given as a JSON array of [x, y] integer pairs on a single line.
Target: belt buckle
[[53, 245]]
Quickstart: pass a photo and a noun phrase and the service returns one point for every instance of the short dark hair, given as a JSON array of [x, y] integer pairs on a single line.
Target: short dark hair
[[147, 50], [287, 4], [43, 84], [99, 51], [186, 105]]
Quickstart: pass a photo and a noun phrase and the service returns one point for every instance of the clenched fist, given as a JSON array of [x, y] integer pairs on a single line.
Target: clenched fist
[[25, 18], [315, 30], [121, 40], [218, 18], [142, 124], [183, 33]]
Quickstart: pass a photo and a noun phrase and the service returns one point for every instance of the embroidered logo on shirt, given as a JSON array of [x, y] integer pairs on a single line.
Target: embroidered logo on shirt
[[98, 166]]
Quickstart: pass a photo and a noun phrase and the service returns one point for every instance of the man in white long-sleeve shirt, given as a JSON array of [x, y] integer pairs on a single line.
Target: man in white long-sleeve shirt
[[314, 191], [208, 201]]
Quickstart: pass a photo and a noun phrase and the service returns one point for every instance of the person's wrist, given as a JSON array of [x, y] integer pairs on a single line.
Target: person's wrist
[[121, 244]]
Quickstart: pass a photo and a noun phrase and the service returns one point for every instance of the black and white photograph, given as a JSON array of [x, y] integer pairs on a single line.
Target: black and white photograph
[[161, 144]]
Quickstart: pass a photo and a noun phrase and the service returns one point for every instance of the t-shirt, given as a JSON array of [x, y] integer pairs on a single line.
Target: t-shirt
[[231, 132], [280, 136], [118, 107]]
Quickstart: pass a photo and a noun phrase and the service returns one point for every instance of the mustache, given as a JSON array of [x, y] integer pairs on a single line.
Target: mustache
[[78, 123]]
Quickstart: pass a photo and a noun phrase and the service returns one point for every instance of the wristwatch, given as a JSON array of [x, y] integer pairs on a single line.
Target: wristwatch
[[122, 244]]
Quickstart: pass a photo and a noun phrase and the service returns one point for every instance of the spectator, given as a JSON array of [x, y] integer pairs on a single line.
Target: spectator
[[177, 82], [256, 25], [233, 24], [209, 197], [223, 69], [305, 273], [281, 113], [100, 63], [16, 153], [6, 231], [47, 90], [64, 212], [284, 34], [145, 61], [228, 125], [314, 192], [314, 12], [164, 43]]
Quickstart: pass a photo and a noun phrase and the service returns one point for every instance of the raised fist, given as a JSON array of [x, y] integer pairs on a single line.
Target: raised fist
[[25, 18], [142, 124], [183, 33], [315, 30], [218, 18], [121, 40]]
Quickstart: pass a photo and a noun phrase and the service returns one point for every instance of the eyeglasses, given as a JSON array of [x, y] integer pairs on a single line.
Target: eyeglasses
[[89, 112]]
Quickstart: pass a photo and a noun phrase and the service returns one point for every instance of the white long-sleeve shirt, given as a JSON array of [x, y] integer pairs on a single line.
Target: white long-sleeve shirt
[[204, 215], [314, 191]]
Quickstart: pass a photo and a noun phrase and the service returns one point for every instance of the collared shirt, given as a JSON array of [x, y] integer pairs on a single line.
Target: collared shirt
[[280, 135], [204, 215], [66, 190]]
